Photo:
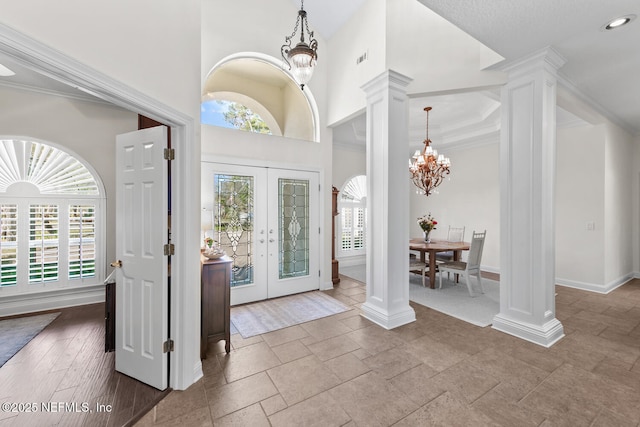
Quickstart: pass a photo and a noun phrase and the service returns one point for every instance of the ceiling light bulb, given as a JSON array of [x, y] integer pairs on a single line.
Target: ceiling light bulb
[[619, 22], [5, 72]]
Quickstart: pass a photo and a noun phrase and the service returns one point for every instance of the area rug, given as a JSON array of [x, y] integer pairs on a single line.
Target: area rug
[[271, 315], [16, 333], [454, 300]]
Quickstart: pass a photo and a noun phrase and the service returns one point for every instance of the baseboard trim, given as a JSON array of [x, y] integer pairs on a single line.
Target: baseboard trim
[[352, 261], [594, 287], [51, 300], [327, 286]]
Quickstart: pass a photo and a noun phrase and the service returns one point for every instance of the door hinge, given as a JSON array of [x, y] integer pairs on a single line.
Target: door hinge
[[167, 346], [169, 154], [318, 273], [319, 232], [169, 249]]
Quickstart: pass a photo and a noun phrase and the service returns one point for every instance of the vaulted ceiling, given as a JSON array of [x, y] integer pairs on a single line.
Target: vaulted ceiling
[[601, 67]]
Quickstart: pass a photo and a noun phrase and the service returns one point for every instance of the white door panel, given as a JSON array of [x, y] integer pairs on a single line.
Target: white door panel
[[141, 232]]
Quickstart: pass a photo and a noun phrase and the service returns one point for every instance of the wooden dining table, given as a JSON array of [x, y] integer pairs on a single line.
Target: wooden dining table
[[419, 244]]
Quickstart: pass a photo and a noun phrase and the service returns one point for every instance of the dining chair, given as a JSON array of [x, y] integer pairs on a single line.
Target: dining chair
[[416, 265], [455, 234], [471, 266]]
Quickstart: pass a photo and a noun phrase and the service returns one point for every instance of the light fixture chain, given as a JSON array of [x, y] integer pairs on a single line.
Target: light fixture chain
[[427, 125], [295, 29]]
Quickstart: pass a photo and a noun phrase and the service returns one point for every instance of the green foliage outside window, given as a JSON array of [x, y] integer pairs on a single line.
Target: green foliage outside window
[[241, 117]]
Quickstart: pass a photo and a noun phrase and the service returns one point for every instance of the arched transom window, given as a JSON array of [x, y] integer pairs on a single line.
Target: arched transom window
[[51, 216]]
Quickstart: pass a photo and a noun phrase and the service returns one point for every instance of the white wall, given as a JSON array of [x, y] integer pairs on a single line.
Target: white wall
[[436, 54], [347, 163], [364, 33], [470, 198], [635, 210], [145, 44], [88, 129], [224, 143], [618, 242], [580, 200], [407, 37]]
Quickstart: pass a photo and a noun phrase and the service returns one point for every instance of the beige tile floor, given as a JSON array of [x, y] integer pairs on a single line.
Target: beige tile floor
[[346, 371]]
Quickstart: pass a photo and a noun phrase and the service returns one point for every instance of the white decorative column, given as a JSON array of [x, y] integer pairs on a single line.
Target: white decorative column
[[527, 180], [388, 201]]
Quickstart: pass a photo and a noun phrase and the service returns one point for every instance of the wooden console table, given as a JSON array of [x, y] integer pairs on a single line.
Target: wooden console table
[[216, 296]]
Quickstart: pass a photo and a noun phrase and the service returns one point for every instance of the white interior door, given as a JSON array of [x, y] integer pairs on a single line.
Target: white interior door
[[141, 233], [294, 232], [267, 221]]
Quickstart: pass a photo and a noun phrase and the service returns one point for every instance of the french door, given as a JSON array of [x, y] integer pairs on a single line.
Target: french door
[[267, 221]]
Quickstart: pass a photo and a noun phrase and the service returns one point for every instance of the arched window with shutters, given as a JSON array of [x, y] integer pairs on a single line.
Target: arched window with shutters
[[352, 205], [51, 218]]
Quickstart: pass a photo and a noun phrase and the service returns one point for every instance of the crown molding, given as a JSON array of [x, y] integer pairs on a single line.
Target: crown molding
[[48, 92], [573, 90]]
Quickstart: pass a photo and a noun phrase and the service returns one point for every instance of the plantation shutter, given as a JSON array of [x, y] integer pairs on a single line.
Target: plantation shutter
[[82, 241], [8, 245], [43, 243]]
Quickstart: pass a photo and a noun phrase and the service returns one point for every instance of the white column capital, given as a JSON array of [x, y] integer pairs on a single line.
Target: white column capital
[[547, 58], [387, 80]]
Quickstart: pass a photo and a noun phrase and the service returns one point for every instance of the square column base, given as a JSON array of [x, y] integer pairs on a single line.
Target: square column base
[[545, 335], [385, 319]]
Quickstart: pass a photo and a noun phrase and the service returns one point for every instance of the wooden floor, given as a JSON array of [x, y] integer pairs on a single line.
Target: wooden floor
[[67, 378]]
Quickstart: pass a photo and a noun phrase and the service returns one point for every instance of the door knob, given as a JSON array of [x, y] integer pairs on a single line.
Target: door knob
[[261, 240], [116, 264], [272, 240]]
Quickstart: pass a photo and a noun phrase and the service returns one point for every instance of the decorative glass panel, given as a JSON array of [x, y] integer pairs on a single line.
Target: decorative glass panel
[[293, 219], [8, 244], [234, 223], [43, 243], [82, 241]]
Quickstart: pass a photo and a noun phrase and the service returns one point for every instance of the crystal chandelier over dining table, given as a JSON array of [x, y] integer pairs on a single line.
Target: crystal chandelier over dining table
[[428, 168]]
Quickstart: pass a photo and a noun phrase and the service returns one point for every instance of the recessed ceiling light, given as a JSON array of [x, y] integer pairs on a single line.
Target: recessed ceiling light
[[5, 72], [619, 22]]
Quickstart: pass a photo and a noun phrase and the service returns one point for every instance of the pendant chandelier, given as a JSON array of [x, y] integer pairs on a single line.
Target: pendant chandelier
[[302, 58], [427, 168]]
